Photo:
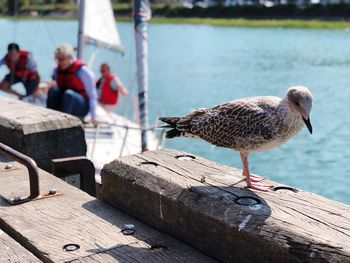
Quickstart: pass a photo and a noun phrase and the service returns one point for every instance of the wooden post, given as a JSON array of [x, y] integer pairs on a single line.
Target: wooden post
[[40, 133], [206, 205]]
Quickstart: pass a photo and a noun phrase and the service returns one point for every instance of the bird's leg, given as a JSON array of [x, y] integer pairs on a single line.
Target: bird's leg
[[252, 181]]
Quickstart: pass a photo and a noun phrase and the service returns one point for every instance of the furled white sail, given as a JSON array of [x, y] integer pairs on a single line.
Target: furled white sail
[[99, 25]]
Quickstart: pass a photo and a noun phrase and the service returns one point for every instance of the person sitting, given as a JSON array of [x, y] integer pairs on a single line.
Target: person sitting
[[109, 86], [23, 68], [75, 91]]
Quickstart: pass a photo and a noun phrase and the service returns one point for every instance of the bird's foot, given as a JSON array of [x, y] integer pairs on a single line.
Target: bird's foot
[[256, 178], [259, 186]]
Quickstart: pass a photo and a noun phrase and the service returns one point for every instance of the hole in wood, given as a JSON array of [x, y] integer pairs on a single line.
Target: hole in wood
[[247, 201], [71, 247], [158, 246], [185, 157], [285, 188], [148, 164]]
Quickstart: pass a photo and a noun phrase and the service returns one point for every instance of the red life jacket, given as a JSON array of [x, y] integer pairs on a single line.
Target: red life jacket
[[20, 67], [108, 96], [68, 79]]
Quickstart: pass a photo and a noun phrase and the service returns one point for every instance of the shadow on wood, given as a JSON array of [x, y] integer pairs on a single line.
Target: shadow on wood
[[150, 246], [44, 227]]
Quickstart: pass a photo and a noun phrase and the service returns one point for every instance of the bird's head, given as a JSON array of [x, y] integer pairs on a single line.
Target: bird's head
[[300, 100]]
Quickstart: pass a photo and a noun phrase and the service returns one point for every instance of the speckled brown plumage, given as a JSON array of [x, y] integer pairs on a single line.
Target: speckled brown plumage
[[249, 124]]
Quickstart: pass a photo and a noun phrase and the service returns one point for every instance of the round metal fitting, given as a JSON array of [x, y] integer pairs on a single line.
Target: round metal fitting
[[285, 188], [247, 201], [148, 164], [71, 247], [129, 229], [185, 157]]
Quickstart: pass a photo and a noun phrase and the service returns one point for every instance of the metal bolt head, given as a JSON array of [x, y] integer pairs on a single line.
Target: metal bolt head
[[129, 229], [52, 191], [71, 247], [8, 166], [17, 198]]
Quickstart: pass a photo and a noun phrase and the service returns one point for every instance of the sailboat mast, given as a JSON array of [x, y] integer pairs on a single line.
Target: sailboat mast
[[80, 29], [142, 13]]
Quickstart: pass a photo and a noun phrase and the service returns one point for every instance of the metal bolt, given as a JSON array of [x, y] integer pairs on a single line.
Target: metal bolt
[[71, 247], [17, 198], [52, 191], [129, 229], [8, 166]]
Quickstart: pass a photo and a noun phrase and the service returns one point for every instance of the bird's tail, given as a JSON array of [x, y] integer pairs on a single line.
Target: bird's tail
[[171, 121]]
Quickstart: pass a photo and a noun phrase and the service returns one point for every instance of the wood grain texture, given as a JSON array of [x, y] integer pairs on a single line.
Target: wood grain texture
[[43, 134], [194, 200], [44, 226], [11, 251]]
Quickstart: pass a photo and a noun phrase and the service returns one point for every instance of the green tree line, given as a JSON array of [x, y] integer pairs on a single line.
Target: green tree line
[[15, 7]]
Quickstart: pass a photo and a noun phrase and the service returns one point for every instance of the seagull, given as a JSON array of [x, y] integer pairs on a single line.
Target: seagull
[[247, 125]]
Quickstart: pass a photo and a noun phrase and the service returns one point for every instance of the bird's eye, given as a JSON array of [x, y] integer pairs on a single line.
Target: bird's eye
[[297, 103]]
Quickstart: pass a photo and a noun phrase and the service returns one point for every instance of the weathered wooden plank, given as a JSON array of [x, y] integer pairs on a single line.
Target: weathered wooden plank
[[43, 134], [195, 201], [44, 226], [11, 251]]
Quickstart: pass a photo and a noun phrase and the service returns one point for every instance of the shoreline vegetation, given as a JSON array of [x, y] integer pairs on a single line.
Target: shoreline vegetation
[[283, 16]]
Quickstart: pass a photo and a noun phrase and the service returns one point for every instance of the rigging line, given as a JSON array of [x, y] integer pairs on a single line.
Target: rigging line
[[149, 128], [93, 56], [124, 141], [131, 99], [35, 36], [14, 36], [94, 142], [48, 32]]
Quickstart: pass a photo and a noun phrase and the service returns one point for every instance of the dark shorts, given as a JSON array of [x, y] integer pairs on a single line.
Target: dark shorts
[[29, 85]]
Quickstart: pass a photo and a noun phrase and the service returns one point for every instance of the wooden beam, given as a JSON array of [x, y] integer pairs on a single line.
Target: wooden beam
[[206, 205], [44, 226], [40, 133]]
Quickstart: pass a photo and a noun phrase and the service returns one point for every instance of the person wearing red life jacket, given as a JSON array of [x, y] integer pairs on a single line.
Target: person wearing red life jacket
[[23, 68], [74, 89], [109, 86]]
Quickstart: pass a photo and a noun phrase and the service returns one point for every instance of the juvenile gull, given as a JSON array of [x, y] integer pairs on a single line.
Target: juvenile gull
[[248, 124]]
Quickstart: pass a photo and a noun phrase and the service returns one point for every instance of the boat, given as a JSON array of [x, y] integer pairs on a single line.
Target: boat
[[114, 135]]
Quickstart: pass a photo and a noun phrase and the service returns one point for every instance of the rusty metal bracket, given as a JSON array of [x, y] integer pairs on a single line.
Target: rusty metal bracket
[[33, 171], [63, 167]]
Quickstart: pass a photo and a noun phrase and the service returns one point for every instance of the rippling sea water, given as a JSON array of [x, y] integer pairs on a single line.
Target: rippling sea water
[[194, 66]]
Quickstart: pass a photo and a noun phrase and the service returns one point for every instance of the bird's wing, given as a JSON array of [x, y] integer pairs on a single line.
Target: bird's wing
[[220, 125]]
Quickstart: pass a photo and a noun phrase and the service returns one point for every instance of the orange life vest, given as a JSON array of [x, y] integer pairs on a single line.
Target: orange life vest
[[68, 79], [20, 67], [108, 96]]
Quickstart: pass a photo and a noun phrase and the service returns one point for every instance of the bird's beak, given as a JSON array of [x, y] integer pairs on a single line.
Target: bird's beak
[[308, 124]]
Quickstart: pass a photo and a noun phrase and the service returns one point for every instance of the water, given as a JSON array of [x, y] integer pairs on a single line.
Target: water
[[195, 66]]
